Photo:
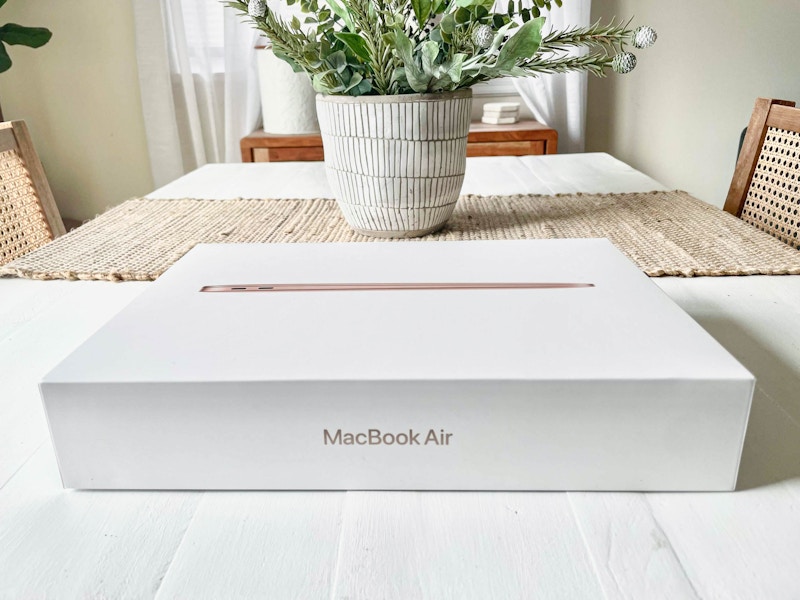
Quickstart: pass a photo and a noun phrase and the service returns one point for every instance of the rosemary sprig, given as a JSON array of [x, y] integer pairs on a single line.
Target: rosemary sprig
[[593, 63], [287, 41], [612, 38], [368, 16]]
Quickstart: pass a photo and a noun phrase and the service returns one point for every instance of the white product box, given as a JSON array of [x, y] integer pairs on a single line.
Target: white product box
[[610, 387]]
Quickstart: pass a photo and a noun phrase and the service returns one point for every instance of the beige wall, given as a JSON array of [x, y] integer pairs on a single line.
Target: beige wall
[[679, 115], [79, 95]]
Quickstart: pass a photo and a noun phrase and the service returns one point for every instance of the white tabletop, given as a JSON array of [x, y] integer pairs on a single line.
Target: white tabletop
[[75, 544]]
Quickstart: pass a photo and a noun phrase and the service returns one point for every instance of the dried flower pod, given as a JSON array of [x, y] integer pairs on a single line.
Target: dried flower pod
[[644, 37], [257, 8], [483, 36], [624, 63]]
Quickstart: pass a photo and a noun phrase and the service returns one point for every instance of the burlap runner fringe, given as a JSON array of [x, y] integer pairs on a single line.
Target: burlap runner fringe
[[664, 233]]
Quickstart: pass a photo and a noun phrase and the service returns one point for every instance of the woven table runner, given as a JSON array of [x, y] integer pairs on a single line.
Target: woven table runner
[[664, 233]]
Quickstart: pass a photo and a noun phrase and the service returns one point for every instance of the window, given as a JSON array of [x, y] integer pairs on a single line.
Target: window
[[202, 25]]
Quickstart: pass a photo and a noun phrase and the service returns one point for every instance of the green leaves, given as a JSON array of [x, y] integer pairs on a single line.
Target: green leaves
[[429, 52], [338, 61], [356, 43], [348, 82], [405, 50], [5, 59], [422, 10], [13, 34], [487, 4], [341, 11], [522, 45], [427, 67], [462, 16], [278, 54], [341, 74], [358, 86], [33, 37]]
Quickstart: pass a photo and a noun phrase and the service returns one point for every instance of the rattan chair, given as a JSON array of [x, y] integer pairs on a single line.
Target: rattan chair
[[28, 214], [764, 191]]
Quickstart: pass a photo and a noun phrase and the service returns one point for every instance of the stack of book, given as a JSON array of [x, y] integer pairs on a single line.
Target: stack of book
[[500, 113]]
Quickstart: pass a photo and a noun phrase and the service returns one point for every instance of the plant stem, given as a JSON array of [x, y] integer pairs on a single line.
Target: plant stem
[[381, 64], [595, 63], [612, 38]]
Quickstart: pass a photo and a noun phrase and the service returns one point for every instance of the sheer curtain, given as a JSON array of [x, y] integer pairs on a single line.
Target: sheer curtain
[[199, 83], [560, 100]]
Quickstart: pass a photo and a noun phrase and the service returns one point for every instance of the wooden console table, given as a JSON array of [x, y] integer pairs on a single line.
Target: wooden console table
[[519, 139]]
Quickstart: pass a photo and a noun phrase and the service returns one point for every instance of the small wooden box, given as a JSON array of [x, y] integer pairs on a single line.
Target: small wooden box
[[518, 139]]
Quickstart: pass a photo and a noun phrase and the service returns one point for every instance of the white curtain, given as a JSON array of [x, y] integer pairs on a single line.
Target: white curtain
[[199, 83], [560, 100]]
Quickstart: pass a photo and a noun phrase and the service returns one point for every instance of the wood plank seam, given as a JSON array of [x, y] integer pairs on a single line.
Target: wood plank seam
[[339, 545], [672, 547], [777, 403], [588, 550], [775, 472], [23, 463], [179, 546]]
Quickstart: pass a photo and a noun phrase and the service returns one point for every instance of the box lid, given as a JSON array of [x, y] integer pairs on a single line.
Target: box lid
[[624, 327]]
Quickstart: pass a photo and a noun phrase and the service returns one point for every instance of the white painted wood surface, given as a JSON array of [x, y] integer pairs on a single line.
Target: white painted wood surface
[[70, 544]]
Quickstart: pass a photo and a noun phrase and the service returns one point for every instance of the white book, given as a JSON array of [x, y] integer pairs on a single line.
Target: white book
[[501, 106], [499, 120], [514, 111], [496, 115]]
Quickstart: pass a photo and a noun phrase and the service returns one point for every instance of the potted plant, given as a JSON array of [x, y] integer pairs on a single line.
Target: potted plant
[[393, 79]]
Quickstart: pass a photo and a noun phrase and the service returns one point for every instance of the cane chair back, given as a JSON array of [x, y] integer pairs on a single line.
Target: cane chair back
[[765, 187], [28, 214]]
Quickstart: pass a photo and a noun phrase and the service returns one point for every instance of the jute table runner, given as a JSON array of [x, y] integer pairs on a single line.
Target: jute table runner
[[665, 233]]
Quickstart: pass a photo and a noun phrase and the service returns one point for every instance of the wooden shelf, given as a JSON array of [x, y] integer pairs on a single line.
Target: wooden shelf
[[518, 139]]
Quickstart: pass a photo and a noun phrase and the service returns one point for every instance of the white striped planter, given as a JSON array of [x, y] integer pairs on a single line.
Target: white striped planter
[[396, 163]]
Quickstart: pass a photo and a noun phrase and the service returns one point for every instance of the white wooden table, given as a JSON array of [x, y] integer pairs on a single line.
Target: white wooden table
[[367, 545]]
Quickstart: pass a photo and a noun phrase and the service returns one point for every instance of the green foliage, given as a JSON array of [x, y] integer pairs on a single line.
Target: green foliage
[[379, 47], [341, 11], [521, 46], [422, 10], [5, 59], [13, 35]]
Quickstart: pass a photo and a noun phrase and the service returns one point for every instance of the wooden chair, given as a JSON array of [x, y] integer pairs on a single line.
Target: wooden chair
[[28, 214], [764, 191]]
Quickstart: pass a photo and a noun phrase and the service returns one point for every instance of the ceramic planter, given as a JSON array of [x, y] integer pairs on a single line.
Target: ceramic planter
[[287, 98], [396, 163]]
